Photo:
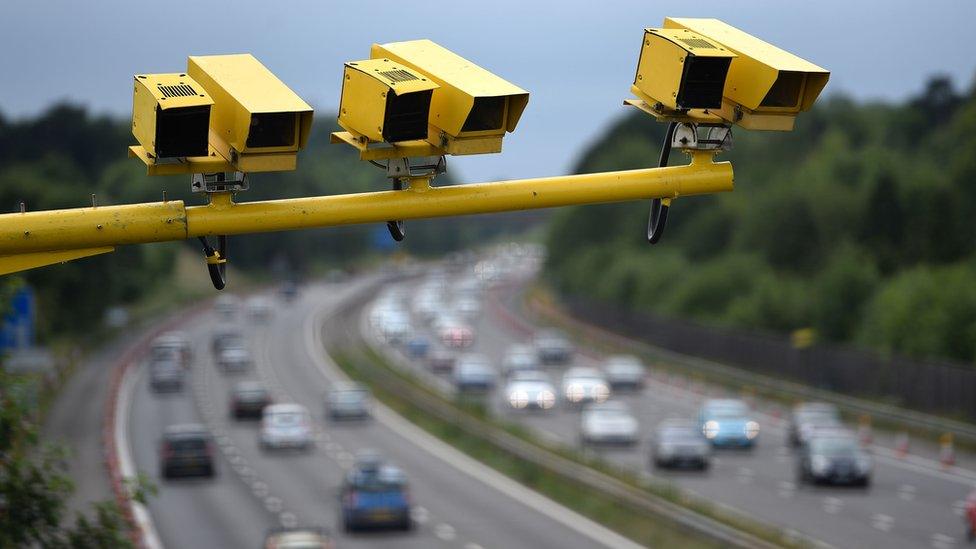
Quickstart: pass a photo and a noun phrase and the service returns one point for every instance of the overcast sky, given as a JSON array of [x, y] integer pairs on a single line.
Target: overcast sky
[[575, 57]]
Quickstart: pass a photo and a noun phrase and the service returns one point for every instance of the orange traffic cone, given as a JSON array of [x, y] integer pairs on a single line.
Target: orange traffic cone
[[901, 444], [947, 451]]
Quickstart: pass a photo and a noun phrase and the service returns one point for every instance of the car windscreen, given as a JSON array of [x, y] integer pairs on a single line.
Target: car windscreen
[[349, 397], [834, 447], [252, 394], [285, 419], [187, 444], [679, 435]]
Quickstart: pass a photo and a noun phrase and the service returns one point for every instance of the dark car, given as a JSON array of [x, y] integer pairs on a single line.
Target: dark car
[[441, 361], [186, 450], [248, 399], [166, 376], [834, 458], [226, 338], [679, 443], [375, 495], [348, 401], [808, 417], [553, 347]]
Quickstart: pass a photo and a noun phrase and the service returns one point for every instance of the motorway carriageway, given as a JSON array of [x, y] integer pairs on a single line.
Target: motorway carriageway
[[458, 502], [908, 505]]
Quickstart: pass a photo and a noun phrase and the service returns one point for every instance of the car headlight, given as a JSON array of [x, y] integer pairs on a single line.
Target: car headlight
[[819, 464], [518, 399], [546, 399], [710, 430], [601, 393], [752, 430], [574, 392]]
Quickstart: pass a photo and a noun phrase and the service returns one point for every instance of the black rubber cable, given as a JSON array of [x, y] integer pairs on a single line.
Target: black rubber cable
[[658, 216]]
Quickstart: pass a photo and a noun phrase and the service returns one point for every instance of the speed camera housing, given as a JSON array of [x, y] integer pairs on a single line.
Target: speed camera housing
[[680, 70], [170, 115], [258, 123], [384, 101], [766, 87], [472, 109]]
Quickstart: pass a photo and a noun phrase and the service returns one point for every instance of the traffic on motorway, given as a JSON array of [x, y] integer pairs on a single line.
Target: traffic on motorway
[[807, 472], [252, 438]]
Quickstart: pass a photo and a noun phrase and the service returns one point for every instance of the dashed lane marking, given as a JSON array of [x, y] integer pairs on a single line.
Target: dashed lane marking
[[445, 532], [943, 541], [883, 522]]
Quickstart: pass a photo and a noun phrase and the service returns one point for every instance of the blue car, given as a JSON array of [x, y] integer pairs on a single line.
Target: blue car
[[728, 423], [418, 346], [375, 495]]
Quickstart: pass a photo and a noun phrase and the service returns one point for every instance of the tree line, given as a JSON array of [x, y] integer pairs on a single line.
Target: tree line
[[859, 224]]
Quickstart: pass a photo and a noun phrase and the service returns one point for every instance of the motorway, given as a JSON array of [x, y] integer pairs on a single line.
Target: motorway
[[908, 505], [457, 502]]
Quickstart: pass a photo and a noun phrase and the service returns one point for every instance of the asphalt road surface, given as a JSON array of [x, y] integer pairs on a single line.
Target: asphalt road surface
[[255, 490]]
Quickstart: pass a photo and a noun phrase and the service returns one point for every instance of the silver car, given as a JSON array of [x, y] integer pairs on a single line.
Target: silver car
[[235, 360], [582, 385], [348, 401], [286, 426], [608, 423], [530, 390], [624, 372], [679, 443]]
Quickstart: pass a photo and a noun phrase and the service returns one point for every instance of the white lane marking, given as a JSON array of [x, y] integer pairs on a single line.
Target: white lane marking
[[272, 504], [260, 489], [127, 467], [472, 545], [906, 492], [445, 532], [883, 522], [460, 461], [833, 505], [419, 514], [943, 541], [745, 475], [288, 519], [787, 489], [959, 508], [345, 459]]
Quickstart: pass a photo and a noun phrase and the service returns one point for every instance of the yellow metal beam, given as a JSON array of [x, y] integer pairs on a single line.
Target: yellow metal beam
[[22, 262], [106, 226]]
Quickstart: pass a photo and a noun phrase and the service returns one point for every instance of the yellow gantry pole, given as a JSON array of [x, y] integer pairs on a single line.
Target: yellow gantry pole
[[95, 228]]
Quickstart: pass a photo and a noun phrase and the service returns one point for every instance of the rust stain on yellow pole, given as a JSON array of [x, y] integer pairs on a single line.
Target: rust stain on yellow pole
[[72, 229]]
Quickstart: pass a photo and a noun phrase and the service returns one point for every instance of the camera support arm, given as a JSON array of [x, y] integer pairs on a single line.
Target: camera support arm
[[34, 239]]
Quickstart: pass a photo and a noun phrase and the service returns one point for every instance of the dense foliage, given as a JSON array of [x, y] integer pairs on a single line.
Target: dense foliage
[[63, 156], [860, 224]]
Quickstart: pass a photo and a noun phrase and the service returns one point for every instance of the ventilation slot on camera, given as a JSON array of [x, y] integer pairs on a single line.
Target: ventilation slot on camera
[[697, 43], [181, 90], [398, 75]]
